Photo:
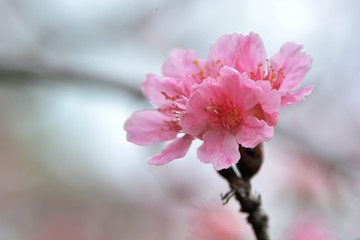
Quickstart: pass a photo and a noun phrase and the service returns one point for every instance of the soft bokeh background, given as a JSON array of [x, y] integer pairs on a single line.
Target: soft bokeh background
[[70, 73]]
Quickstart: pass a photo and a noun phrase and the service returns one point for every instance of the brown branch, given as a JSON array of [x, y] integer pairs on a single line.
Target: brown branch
[[240, 187]]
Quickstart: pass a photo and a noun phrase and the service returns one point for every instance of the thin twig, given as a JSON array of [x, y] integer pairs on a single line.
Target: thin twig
[[240, 187]]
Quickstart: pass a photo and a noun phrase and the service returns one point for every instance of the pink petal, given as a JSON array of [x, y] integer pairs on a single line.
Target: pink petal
[[269, 101], [195, 119], [298, 96], [219, 148], [148, 126], [241, 90], [180, 63], [294, 64], [177, 149], [161, 91], [253, 131], [225, 49], [250, 53], [186, 66]]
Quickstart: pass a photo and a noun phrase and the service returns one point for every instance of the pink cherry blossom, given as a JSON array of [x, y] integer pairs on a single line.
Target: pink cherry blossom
[[229, 111], [162, 124], [285, 70], [186, 66], [149, 126], [230, 98]]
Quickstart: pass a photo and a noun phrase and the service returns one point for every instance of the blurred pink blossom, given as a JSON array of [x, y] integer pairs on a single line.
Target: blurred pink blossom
[[216, 223], [308, 230]]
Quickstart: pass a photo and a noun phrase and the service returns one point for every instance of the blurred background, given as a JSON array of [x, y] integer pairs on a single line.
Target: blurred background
[[70, 75]]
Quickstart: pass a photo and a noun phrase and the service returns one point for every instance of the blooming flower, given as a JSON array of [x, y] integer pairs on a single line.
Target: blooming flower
[[226, 112], [162, 124], [285, 70], [186, 66], [232, 97]]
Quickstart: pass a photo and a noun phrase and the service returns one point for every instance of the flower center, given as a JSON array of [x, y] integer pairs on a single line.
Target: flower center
[[223, 114], [172, 125], [275, 77], [174, 112], [171, 98], [206, 69]]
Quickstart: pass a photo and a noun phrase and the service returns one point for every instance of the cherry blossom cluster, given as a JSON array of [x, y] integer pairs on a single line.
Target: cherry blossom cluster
[[233, 97]]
